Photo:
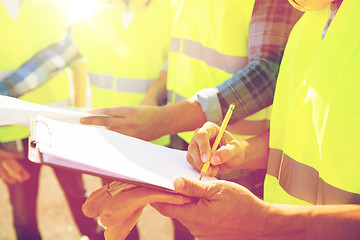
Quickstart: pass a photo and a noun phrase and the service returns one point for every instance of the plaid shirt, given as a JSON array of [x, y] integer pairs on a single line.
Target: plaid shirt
[[40, 68], [252, 88]]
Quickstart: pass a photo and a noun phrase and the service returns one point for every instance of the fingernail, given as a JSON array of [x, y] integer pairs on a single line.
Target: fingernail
[[179, 183], [204, 158], [215, 159]]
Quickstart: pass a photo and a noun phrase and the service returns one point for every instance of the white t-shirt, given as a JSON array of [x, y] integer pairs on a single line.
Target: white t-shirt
[[13, 7]]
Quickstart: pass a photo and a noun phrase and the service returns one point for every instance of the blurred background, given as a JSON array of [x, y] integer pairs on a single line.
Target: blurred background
[[56, 222]]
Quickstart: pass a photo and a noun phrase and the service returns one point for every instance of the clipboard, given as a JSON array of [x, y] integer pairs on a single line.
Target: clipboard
[[104, 153]]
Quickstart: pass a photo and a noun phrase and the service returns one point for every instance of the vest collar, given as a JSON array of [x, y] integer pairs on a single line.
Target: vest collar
[[13, 7]]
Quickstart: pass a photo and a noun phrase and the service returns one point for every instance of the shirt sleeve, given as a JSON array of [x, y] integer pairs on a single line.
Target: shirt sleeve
[[252, 88], [41, 67]]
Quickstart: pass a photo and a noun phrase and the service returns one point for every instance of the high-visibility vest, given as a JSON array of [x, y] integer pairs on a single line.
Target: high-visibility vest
[[209, 44], [40, 23], [121, 61], [315, 131]]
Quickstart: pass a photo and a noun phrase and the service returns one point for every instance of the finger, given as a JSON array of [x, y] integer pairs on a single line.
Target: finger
[[203, 139], [111, 111], [212, 171], [190, 187], [5, 155], [108, 122], [16, 170], [193, 155], [121, 230], [174, 211], [5, 176], [114, 210], [226, 153], [100, 121], [94, 203]]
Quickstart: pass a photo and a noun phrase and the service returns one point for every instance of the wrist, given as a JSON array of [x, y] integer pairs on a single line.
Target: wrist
[[183, 116], [256, 151], [293, 222]]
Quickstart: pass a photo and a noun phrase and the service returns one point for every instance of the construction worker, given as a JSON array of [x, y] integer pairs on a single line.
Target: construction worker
[[125, 44], [311, 155], [32, 68]]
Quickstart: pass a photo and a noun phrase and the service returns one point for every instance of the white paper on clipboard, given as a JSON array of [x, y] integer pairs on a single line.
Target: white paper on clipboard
[[106, 153]]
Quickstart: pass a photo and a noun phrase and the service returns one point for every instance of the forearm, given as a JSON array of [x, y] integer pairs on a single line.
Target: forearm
[[252, 88], [256, 151], [312, 222], [182, 116], [41, 67]]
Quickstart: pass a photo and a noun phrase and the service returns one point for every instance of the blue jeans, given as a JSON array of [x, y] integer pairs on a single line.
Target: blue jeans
[[23, 200]]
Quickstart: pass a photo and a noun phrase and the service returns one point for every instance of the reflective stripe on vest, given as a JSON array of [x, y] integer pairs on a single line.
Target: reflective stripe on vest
[[102, 80], [174, 97], [122, 61], [197, 59], [298, 180], [123, 85], [314, 132], [33, 34], [212, 57]]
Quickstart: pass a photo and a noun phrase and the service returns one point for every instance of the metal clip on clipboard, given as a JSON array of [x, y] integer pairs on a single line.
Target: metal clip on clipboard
[[34, 152]]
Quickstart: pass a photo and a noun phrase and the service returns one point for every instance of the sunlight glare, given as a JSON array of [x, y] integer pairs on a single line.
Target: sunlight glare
[[81, 9]]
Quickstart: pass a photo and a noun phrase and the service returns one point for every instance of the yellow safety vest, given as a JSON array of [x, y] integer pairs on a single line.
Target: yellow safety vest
[[40, 23], [122, 62], [315, 131], [209, 44]]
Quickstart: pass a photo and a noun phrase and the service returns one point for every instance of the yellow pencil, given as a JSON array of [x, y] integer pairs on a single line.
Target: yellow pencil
[[218, 138]]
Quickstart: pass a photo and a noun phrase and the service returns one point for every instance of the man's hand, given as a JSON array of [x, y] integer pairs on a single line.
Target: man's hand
[[150, 122], [229, 156], [119, 205], [228, 211], [225, 210], [144, 122], [11, 171]]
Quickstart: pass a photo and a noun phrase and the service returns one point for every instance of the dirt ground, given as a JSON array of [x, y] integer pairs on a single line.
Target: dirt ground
[[55, 220]]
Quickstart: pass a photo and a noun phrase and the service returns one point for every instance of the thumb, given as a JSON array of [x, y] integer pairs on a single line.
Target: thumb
[[189, 187]]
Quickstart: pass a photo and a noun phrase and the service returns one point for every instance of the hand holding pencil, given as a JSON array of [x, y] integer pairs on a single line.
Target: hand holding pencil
[[203, 148], [218, 138]]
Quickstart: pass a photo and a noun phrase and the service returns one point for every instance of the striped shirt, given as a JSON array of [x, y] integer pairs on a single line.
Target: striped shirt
[[252, 88], [41, 67]]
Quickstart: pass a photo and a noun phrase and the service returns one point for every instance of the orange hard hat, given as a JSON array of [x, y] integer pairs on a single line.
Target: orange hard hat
[[309, 5]]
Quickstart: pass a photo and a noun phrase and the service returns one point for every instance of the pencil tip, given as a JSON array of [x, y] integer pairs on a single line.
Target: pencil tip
[[201, 176]]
